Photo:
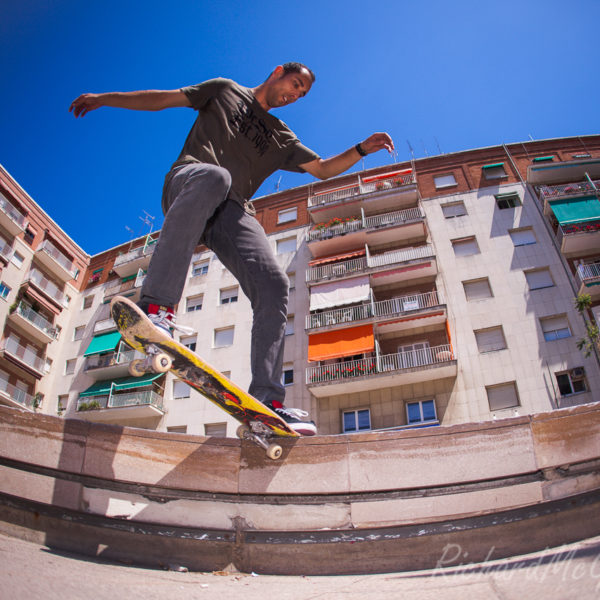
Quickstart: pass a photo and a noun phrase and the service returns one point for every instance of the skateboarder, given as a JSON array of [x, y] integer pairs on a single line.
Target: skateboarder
[[233, 146]]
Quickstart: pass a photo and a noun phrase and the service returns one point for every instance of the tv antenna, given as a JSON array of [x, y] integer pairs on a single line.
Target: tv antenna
[[278, 184], [147, 219], [412, 152], [130, 231]]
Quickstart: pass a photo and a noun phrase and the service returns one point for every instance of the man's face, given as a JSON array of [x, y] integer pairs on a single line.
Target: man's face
[[285, 89]]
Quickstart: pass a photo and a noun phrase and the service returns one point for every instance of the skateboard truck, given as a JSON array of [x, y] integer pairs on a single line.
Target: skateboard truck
[[156, 361], [255, 433]]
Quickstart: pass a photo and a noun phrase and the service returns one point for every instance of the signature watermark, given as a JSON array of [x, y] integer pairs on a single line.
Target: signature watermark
[[565, 563]]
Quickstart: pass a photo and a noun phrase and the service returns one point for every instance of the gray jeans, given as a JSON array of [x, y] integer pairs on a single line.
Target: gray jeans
[[197, 208]]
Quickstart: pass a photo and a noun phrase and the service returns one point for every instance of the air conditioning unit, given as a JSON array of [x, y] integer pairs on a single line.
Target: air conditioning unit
[[577, 373]]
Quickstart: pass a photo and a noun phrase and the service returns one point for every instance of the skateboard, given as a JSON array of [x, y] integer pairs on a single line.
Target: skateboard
[[259, 423]]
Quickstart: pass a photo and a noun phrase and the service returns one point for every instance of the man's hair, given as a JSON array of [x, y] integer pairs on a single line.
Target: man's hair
[[296, 67]]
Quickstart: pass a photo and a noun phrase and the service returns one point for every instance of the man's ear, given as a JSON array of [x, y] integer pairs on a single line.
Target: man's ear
[[278, 71]]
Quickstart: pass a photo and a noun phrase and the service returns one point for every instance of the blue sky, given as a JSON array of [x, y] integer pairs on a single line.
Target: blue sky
[[444, 76]]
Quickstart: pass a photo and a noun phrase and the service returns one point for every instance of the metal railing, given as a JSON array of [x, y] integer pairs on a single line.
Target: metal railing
[[26, 355], [567, 190], [370, 310], [17, 395], [49, 248], [142, 398], [6, 250], [358, 265], [9, 210], [380, 364], [136, 253], [99, 361], [400, 217], [36, 319], [337, 195], [589, 273], [104, 325], [42, 282]]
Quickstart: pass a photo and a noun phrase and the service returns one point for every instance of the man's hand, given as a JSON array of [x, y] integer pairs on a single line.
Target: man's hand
[[377, 142], [86, 102]]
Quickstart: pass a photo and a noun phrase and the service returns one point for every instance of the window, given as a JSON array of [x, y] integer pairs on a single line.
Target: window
[[287, 377], [180, 389], [228, 296], [286, 245], [62, 403], [538, 159], [189, 342], [510, 200], [539, 279], [67, 300], [477, 289], [223, 337], [287, 215], [88, 301], [4, 290], [420, 412], [29, 235], [17, 259], [194, 303], [70, 366], [215, 430], [356, 420], [522, 237], [454, 209], [292, 279], [444, 181], [177, 429], [465, 246], [571, 382], [555, 328], [495, 171], [78, 333], [502, 396], [582, 155], [289, 326], [490, 340], [200, 268]]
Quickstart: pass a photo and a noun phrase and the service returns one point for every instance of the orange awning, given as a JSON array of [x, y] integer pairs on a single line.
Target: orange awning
[[340, 343], [336, 258], [387, 175]]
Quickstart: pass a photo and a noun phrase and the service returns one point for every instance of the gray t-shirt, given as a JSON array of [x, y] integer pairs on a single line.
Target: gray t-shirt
[[234, 131]]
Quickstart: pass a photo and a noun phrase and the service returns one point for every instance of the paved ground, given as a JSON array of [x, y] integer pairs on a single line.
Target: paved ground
[[29, 571]]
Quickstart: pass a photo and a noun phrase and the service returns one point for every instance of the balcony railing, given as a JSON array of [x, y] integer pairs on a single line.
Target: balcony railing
[[8, 209], [47, 286], [334, 196], [26, 355], [359, 265], [144, 250], [104, 325], [17, 395], [49, 248], [6, 251], [400, 217], [36, 319], [380, 309], [145, 398], [588, 274], [380, 364], [567, 190], [100, 361]]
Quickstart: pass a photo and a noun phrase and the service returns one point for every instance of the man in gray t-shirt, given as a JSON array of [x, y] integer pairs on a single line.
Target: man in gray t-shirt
[[234, 144]]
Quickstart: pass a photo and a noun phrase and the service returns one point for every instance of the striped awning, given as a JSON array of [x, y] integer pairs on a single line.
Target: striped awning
[[103, 388]]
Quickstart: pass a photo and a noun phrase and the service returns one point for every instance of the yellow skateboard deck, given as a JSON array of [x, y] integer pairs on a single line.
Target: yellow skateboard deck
[[164, 353]]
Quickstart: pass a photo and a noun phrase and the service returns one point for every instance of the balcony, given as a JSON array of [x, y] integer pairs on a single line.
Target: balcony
[[131, 262], [427, 308], [388, 267], [104, 326], [377, 372], [6, 251], [130, 287], [113, 364], [10, 218], [24, 357], [588, 277], [547, 193], [579, 238], [33, 323], [11, 395], [342, 235], [48, 288], [374, 194], [557, 172], [55, 261], [121, 408]]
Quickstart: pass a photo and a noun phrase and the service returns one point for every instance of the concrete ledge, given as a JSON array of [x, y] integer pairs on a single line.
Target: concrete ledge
[[511, 486]]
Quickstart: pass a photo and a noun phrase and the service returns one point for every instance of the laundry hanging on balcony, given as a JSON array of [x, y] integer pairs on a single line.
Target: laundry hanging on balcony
[[340, 293], [340, 343]]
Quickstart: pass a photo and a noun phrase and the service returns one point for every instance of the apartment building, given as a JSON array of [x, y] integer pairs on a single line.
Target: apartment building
[[426, 293]]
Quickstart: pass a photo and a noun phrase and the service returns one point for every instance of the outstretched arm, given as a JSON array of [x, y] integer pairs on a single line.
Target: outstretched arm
[[142, 100], [329, 167]]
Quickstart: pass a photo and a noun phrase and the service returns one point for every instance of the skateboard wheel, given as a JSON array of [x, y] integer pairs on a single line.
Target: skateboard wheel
[[241, 431], [161, 363], [136, 368], [274, 451]]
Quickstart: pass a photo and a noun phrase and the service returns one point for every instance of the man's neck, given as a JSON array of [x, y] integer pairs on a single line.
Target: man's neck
[[261, 96]]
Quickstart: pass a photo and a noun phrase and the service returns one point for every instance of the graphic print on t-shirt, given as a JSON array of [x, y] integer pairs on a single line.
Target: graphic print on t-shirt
[[252, 127]]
